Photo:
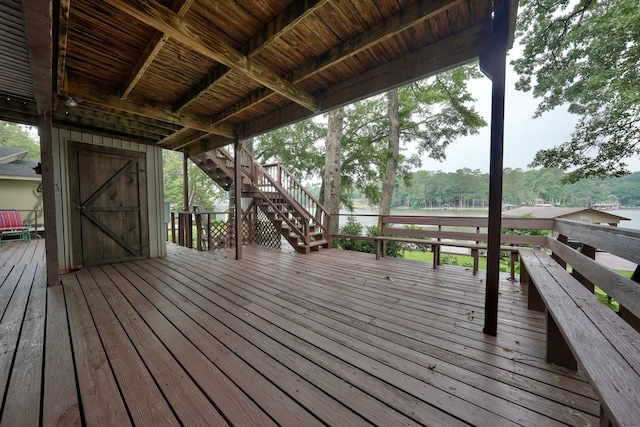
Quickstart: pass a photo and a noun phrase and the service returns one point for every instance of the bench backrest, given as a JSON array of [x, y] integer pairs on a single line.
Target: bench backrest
[[10, 220], [463, 228], [624, 243]]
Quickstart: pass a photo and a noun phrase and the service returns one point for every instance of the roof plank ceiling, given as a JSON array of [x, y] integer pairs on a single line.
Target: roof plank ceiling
[[193, 74]]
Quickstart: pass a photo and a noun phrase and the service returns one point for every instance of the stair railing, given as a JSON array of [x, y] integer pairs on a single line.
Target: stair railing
[[264, 183], [319, 216]]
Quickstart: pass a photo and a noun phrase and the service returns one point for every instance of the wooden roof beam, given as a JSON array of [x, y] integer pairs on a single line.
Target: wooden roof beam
[[271, 32], [420, 12], [157, 111], [186, 142], [177, 134], [63, 32], [445, 54], [163, 19], [181, 7]]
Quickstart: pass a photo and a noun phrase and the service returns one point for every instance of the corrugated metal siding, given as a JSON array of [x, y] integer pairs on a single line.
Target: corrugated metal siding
[[155, 198], [15, 73]]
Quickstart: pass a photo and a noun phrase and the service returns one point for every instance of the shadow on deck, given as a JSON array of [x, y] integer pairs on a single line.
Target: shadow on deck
[[274, 339]]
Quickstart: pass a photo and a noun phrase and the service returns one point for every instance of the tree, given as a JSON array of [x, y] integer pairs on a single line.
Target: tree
[[431, 114], [585, 53], [297, 146], [203, 191], [393, 152], [14, 135], [332, 168]]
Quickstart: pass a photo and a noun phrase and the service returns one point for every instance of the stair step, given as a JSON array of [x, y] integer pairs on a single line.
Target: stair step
[[317, 243]]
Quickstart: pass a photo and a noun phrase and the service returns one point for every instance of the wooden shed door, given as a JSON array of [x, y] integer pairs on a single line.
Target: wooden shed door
[[109, 204]]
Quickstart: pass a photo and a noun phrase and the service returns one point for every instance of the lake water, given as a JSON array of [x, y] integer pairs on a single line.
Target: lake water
[[369, 217]]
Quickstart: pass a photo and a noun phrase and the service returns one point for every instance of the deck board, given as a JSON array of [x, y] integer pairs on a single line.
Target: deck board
[[25, 381], [508, 393], [331, 338]]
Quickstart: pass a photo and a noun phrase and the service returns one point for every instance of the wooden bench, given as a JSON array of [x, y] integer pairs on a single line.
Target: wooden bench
[[394, 228], [581, 330], [11, 224]]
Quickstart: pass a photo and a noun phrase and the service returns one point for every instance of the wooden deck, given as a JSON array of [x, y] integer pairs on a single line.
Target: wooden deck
[[332, 338]]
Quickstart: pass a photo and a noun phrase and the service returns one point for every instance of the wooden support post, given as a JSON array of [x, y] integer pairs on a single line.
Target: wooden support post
[[562, 239], [493, 64], [198, 230], [591, 253], [185, 182], [49, 199], [514, 259], [173, 227], [558, 352], [630, 318], [237, 164], [475, 253], [40, 27]]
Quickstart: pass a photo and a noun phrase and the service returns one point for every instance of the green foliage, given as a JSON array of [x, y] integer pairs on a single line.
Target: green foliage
[[354, 228], [300, 147], [203, 191], [469, 188], [432, 114], [15, 135], [586, 54]]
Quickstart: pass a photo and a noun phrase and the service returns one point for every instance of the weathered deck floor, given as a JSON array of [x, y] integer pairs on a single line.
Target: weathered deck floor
[[277, 338]]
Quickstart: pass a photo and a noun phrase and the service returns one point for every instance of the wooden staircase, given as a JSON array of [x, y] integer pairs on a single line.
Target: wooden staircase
[[293, 211]]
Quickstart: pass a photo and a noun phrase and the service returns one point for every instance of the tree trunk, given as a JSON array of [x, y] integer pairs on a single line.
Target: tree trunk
[[389, 183], [332, 171]]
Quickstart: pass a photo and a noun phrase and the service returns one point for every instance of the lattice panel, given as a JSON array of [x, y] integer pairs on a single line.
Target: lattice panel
[[254, 231], [220, 235], [267, 235]]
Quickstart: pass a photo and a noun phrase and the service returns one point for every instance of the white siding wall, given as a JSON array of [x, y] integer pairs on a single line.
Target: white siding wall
[[157, 228]]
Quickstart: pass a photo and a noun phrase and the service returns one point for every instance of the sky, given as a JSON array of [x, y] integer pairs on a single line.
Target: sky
[[524, 135]]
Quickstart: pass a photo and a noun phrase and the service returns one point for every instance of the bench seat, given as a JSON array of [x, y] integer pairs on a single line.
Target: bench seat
[[437, 244], [581, 330]]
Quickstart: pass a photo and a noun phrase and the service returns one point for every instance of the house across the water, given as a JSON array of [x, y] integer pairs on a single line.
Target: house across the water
[[590, 215]]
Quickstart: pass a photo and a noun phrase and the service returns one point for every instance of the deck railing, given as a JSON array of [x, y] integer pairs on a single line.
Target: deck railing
[[573, 244]]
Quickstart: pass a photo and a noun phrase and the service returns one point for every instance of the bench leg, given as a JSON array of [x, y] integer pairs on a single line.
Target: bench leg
[[378, 244], [436, 255], [604, 418], [535, 301], [558, 352], [474, 254], [514, 259]]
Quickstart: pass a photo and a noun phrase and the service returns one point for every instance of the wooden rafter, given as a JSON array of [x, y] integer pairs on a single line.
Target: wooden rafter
[[63, 32], [163, 19], [186, 142], [181, 7], [396, 24], [447, 53], [175, 135], [157, 111], [256, 45]]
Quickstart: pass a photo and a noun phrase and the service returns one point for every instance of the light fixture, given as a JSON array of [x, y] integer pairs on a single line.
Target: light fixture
[[70, 102]]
